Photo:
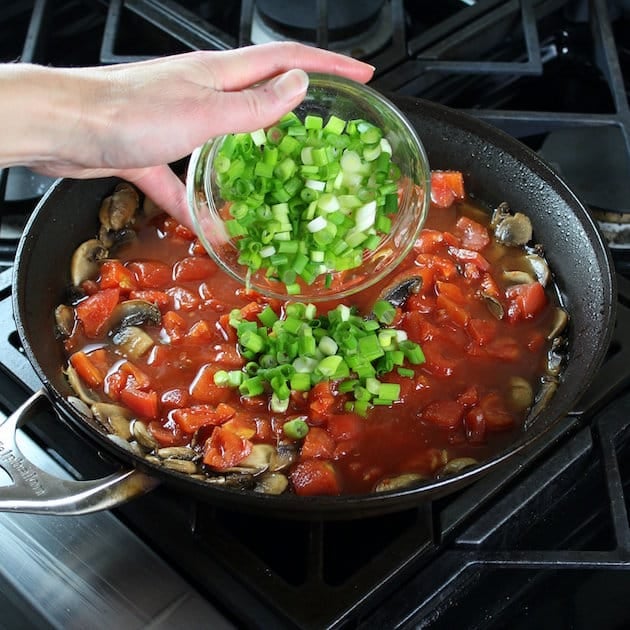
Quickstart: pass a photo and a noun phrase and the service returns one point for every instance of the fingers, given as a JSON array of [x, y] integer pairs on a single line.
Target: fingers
[[164, 188], [236, 69], [261, 106]]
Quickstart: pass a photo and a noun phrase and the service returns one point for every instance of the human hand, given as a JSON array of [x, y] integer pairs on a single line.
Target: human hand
[[131, 120]]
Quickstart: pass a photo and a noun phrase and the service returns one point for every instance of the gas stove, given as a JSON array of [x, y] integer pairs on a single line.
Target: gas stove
[[544, 540]]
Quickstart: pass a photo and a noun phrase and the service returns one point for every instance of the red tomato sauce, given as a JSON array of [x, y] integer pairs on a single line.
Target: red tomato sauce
[[456, 404]]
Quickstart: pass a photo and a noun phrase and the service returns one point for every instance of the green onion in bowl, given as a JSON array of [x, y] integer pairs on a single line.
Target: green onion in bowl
[[322, 204]]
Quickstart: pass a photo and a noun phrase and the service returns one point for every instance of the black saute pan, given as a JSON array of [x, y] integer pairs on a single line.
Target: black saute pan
[[496, 168]]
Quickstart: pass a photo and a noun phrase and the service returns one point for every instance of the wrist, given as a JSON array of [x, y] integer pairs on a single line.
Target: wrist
[[42, 114]]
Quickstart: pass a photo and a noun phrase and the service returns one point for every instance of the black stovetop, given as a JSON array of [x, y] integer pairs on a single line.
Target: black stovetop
[[543, 541]]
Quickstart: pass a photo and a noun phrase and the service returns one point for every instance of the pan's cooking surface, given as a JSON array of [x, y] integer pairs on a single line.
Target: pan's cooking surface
[[549, 73]]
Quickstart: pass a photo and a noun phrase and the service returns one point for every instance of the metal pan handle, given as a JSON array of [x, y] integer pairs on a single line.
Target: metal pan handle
[[35, 491]]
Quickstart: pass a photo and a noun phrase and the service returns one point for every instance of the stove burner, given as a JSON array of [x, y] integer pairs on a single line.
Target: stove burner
[[359, 30]]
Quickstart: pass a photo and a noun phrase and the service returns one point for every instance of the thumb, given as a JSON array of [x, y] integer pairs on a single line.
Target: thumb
[[262, 105]]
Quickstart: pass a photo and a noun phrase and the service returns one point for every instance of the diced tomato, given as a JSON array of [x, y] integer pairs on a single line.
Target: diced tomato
[[228, 332], [225, 449], [504, 348], [315, 477], [496, 415], [446, 186], [475, 424], [317, 444], [193, 268], [346, 426], [114, 384], [228, 356], [456, 313], [481, 331], [321, 401], [525, 301], [174, 398], [196, 248], [183, 299], [469, 397], [173, 228], [489, 286], [250, 311], [169, 435], [200, 332], [473, 235], [429, 241], [143, 403], [437, 362], [89, 373], [151, 274], [115, 274], [203, 388], [159, 298], [443, 268], [136, 378], [95, 310], [447, 414], [241, 424], [469, 255], [174, 326], [184, 232], [189, 419]]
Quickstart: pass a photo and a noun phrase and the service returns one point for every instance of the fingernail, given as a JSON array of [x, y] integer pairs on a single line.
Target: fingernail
[[290, 84]]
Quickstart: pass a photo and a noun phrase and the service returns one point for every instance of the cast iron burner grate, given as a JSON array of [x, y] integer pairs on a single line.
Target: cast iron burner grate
[[427, 564]]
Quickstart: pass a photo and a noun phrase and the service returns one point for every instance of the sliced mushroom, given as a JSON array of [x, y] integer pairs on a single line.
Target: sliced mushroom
[[401, 287], [555, 356], [257, 461], [114, 418], [271, 483], [134, 313], [521, 393], [80, 388], [456, 465], [518, 277], [184, 466], [150, 208], [85, 261], [540, 268], [494, 306], [514, 229], [133, 342], [560, 321], [545, 394], [64, 320], [177, 452], [398, 482], [118, 211], [141, 433], [283, 456]]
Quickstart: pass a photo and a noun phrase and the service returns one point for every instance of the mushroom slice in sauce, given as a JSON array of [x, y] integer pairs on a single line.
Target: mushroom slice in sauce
[[271, 483], [540, 268], [64, 320], [85, 260], [398, 482], [134, 313], [401, 287], [511, 229], [132, 341]]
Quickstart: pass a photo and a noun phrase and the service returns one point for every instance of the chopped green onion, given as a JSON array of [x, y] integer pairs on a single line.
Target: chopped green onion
[[306, 171], [295, 429]]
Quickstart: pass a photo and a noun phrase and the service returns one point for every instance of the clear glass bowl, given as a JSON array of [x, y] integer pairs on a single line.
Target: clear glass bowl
[[327, 95]]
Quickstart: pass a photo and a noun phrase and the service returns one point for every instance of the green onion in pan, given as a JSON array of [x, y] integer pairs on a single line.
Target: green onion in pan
[[327, 188], [297, 350]]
